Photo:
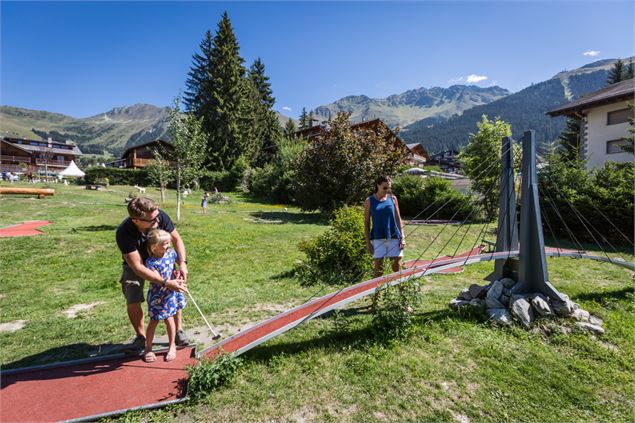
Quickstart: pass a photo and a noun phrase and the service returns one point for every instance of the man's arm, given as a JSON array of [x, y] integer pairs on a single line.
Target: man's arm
[[179, 247], [133, 260]]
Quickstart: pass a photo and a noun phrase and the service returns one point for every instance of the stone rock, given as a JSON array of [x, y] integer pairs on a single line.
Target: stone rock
[[495, 290], [596, 321], [493, 303], [521, 308], [561, 308], [581, 315], [477, 303], [500, 316], [507, 291], [504, 299], [477, 291], [596, 330], [465, 295], [541, 305], [457, 304], [508, 282]]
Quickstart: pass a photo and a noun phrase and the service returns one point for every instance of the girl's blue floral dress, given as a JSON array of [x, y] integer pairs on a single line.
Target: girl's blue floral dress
[[163, 302]]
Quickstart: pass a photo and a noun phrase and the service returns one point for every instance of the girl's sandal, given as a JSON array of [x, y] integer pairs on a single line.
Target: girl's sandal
[[170, 356], [149, 357]]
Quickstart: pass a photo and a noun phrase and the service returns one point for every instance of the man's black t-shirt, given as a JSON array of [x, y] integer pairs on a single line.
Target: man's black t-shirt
[[129, 238]]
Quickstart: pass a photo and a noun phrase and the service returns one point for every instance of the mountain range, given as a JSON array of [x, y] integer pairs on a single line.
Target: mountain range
[[438, 118]]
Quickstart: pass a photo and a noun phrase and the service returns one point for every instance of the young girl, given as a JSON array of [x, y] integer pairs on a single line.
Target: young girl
[[163, 303], [204, 203]]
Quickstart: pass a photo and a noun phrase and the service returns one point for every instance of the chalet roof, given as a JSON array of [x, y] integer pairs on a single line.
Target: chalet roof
[[18, 146], [413, 145], [75, 151], [163, 142], [611, 94]]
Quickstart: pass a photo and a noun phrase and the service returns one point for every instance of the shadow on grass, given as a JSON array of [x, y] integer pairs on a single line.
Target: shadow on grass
[[287, 217], [605, 296], [95, 228], [354, 339]]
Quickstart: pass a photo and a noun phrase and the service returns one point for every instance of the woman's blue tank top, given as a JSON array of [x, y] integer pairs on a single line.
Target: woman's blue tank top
[[383, 217]]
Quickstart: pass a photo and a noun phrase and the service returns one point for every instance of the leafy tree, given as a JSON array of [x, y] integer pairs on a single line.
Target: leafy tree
[[629, 72], [616, 74], [188, 139], [160, 172], [267, 127], [569, 142], [289, 128], [339, 166], [304, 119], [481, 158]]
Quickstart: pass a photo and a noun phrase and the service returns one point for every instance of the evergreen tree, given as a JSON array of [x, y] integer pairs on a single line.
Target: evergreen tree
[[289, 128], [569, 141], [197, 83], [629, 147], [310, 119], [616, 74], [226, 117], [629, 73], [267, 127], [304, 119]]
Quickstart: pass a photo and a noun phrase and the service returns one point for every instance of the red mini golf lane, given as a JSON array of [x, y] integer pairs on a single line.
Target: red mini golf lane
[[24, 229], [92, 389], [108, 386]]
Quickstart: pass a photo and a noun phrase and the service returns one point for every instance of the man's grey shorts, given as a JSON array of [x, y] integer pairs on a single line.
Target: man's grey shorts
[[131, 285]]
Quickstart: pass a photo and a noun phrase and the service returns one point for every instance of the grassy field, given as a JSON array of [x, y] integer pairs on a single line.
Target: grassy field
[[454, 367]]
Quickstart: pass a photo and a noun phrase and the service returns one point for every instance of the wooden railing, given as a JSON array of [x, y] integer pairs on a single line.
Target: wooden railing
[[48, 162], [8, 159]]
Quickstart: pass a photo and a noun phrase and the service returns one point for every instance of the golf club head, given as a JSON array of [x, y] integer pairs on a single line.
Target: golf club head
[[218, 335]]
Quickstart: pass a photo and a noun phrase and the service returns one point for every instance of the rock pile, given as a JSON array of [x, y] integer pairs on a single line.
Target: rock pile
[[503, 306]]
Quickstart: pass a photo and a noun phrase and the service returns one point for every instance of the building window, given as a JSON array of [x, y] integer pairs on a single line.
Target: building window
[[615, 146], [618, 116]]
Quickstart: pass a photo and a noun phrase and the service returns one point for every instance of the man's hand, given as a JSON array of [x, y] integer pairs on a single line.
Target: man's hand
[[402, 243], [177, 285], [183, 271]]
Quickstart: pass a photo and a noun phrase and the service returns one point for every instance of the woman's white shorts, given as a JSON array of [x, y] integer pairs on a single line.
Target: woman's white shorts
[[386, 248]]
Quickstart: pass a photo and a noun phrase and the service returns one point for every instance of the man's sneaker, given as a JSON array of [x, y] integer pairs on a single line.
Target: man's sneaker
[[137, 346], [181, 338]]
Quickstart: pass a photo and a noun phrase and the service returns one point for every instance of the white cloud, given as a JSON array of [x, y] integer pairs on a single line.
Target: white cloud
[[473, 79], [286, 108], [591, 53], [456, 80]]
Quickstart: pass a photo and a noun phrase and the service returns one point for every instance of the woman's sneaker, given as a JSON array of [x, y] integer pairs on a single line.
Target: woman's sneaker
[[181, 338]]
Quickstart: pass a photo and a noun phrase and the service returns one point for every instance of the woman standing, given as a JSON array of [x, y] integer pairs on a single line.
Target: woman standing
[[385, 237]]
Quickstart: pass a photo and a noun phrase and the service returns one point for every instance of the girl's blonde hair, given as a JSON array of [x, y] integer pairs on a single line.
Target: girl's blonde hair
[[156, 237]]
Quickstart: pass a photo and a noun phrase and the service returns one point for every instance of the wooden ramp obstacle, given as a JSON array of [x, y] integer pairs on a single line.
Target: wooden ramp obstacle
[[40, 192]]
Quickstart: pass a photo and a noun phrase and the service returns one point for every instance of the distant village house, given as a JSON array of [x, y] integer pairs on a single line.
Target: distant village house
[[33, 156], [604, 122], [140, 156]]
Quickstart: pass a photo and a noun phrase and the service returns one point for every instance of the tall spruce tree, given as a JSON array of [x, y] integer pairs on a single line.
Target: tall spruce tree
[[569, 142], [197, 84], [226, 117], [267, 127], [289, 128], [304, 119], [629, 72], [616, 74]]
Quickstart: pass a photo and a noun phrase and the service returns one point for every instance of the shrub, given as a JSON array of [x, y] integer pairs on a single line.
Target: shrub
[[116, 176], [340, 253], [208, 374], [339, 166], [393, 308], [606, 191], [224, 180], [415, 194]]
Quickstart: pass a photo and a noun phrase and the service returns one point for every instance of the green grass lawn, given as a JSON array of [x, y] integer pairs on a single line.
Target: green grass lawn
[[454, 367]]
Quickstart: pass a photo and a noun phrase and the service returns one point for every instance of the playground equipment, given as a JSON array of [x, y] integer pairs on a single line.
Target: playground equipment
[[40, 192]]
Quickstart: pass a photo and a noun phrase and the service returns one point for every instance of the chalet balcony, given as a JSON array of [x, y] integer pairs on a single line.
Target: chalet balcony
[[14, 159], [54, 163]]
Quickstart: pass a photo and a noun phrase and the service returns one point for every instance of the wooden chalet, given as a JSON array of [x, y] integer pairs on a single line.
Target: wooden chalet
[[36, 156], [140, 156]]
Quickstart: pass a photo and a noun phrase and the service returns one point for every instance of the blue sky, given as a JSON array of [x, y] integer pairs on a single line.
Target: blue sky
[[84, 58]]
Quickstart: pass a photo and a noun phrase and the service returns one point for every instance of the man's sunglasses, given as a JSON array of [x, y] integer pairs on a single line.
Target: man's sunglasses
[[156, 219]]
